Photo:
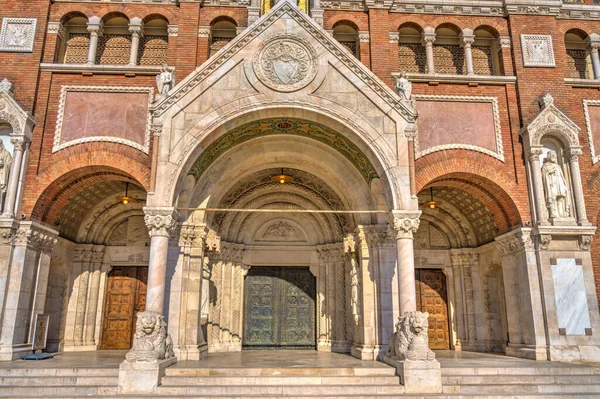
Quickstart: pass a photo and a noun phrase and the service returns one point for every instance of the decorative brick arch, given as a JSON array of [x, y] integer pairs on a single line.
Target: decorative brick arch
[[153, 14], [584, 26], [61, 11], [481, 177], [359, 23], [501, 28], [106, 12], [408, 19], [236, 14]]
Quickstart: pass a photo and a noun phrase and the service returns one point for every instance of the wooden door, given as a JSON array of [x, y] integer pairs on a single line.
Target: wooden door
[[279, 308], [432, 297], [125, 296]]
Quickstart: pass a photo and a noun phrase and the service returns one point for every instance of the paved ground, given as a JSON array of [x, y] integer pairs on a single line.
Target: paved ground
[[274, 359]]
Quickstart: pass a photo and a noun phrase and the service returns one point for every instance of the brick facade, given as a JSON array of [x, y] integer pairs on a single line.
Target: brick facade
[[53, 178]]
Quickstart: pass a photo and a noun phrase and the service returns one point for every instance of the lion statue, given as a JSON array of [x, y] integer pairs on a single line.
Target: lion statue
[[151, 341], [410, 341]]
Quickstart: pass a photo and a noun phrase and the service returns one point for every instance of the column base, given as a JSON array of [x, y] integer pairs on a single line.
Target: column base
[[192, 352], [534, 352], [9, 353], [142, 377], [418, 376], [341, 346], [363, 352], [575, 353]]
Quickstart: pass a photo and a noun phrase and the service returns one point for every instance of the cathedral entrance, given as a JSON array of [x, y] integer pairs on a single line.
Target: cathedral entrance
[[279, 308], [432, 297], [125, 297]]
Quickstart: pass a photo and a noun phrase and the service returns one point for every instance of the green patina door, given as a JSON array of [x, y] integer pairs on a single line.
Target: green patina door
[[279, 308]]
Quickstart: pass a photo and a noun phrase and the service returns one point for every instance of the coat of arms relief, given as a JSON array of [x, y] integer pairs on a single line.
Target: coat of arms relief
[[286, 63]]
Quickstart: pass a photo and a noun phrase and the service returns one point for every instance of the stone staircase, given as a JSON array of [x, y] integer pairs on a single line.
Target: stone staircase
[[547, 382]]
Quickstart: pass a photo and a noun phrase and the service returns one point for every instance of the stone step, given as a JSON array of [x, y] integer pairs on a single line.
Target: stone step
[[61, 381], [59, 372], [512, 389], [295, 371], [56, 391], [469, 371], [284, 390], [521, 379], [285, 380]]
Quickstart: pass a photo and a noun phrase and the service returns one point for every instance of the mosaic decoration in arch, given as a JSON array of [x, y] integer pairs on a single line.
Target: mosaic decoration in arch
[[292, 127]]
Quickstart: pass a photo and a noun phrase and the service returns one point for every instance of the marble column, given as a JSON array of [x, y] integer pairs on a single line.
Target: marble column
[[459, 310], [467, 38], [593, 41], [428, 38], [573, 155], [94, 293], [160, 222], [136, 28], [538, 190], [10, 205], [95, 27], [404, 225]]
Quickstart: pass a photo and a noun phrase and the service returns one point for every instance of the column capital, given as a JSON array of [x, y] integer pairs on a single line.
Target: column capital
[[534, 153], [467, 37], [394, 37], [428, 35], [504, 42], [56, 28], [173, 30], [95, 26], [160, 220], [404, 223], [36, 236], [363, 36], [516, 241], [204, 32], [593, 41], [573, 154], [19, 143]]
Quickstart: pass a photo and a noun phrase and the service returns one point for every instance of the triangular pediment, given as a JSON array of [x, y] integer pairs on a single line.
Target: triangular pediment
[[313, 49], [551, 120]]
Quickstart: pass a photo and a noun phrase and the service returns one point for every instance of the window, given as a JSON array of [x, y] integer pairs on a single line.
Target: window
[[411, 52], [221, 33], [76, 41], [578, 57], [348, 37], [154, 46], [448, 55], [114, 47]]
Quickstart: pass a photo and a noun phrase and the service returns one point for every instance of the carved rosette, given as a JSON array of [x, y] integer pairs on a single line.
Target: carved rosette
[[405, 223], [286, 63], [160, 221]]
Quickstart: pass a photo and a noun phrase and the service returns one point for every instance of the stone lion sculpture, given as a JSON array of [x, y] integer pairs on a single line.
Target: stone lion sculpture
[[410, 341], [151, 341]]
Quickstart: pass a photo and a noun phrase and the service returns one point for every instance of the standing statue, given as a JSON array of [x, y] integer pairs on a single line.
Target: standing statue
[[404, 87], [555, 187], [165, 81], [5, 163]]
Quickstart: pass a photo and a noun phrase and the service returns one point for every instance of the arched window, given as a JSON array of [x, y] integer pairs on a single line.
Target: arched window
[[579, 64], [411, 52], [484, 52], [347, 35], [221, 33], [76, 41], [114, 47], [448, 55], [155, 44]]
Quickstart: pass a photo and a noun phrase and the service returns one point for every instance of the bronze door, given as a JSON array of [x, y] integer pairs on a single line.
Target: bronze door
[[125, 297], [279, 308], [432, 297]]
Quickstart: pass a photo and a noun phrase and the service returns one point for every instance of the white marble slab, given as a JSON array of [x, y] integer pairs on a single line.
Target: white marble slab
[[571, 301]]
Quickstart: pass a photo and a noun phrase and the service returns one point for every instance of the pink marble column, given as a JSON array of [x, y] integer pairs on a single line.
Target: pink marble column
[[405, 224], [160, 222]]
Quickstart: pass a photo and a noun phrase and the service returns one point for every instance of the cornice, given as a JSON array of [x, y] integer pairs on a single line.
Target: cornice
[[101, 69], [459, 79]]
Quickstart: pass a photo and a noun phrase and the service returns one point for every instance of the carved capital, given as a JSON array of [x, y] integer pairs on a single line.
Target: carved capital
[[514, 242], [404, 223], [160, 221], [36, 236], [543, 241], [467, 37], [56, 28], [534, 154], [189, 236], [212, 241], [428, 36], [204, 32], [231, 252], [363, 36], [7, 234], [18, 143], [394, 37], [504, 42], [574, 154], [95, 26], [173, 30], [136, 30]]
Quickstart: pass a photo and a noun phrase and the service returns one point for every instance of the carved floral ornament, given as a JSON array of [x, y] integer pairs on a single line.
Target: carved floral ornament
[[286, 63], [160, 221], [405, 223]]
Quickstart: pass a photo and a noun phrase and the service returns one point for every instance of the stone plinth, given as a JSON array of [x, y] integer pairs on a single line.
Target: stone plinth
[[142, 377], [418, 376]]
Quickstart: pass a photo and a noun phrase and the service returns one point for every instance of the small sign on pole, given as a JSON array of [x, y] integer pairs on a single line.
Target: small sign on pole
[[40, 336]]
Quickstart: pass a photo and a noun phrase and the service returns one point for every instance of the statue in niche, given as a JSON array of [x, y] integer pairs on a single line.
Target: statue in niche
[[5, 163], [165, 81], [555, 187], [404, 87]]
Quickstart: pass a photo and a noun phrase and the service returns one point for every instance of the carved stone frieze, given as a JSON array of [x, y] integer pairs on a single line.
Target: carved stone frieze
[[405, 223], [160, 221], [515, 242], [36, 236], [231, 252], [190, 236], [286, 63]]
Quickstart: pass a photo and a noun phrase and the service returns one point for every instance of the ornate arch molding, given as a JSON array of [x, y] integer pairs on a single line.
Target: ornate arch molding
[[11, 112], [551, 122]]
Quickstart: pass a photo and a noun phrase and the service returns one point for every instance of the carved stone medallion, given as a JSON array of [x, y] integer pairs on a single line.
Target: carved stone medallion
[[286, 63]]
